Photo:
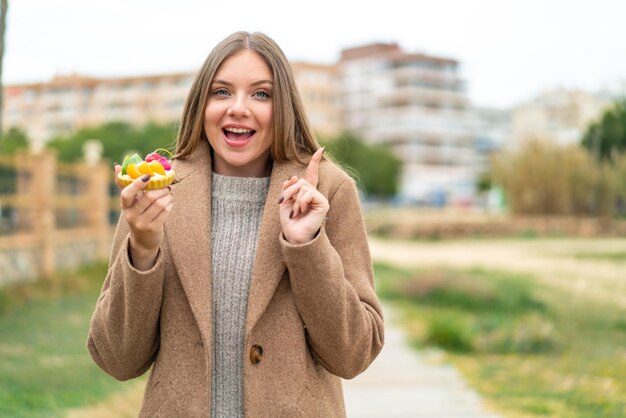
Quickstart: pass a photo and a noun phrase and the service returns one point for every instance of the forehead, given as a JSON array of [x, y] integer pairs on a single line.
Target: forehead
[[245, 64]]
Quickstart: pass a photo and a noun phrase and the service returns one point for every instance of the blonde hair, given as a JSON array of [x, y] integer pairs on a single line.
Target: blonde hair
[[292, 135]]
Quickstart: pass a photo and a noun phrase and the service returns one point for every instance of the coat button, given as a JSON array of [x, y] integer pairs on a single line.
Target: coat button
[[256, 354]]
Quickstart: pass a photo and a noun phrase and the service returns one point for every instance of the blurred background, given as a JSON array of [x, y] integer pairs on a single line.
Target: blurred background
[[488, 141]]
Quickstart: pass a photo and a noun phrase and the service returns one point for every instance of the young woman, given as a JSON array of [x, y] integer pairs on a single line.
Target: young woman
[[253, 294]]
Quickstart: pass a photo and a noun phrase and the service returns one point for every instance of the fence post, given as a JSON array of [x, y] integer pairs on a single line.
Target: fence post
[[42, 167], [23, 188], [97, 189]]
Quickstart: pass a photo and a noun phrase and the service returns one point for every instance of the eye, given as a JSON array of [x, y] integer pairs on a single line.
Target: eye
[[262, 94], [220, 92]]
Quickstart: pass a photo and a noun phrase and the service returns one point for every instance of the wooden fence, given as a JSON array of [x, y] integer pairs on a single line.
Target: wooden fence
[[53, 215]]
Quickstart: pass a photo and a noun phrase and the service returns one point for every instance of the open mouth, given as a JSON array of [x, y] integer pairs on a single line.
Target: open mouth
[[238, 134]]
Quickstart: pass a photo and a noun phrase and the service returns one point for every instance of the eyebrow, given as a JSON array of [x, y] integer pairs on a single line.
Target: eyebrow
[[256, 83]]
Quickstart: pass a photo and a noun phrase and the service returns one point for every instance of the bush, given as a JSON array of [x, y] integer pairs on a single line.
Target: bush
[[475, 291], [526, 334], [543, 178], [451, 332]]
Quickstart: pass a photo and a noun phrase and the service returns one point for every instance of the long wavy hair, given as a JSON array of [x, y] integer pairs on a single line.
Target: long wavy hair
[[293, 137]]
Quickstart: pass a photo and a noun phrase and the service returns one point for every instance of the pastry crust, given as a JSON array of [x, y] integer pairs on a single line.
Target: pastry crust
[[156, 182]]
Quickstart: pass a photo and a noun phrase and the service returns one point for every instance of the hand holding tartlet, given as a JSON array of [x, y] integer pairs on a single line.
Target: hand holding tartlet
[[146, 200]]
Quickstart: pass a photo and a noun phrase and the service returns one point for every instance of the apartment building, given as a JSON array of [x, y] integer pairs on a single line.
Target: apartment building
[[320, 91], [66, 104], [418, 105], [559, 115]]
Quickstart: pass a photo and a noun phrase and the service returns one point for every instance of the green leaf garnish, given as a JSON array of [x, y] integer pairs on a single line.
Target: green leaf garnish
[[133, 159]]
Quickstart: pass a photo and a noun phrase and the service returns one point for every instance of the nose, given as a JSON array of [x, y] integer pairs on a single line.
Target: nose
[[238, 107]]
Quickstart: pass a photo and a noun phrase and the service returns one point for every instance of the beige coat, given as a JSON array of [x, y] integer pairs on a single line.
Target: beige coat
[[312, 316]]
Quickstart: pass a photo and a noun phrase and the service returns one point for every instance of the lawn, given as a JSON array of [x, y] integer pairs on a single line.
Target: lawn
[[45, 368], [529, 349]]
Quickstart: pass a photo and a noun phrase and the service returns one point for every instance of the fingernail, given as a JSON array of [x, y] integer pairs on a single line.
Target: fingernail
[[114, 164], [323, 150], [145, 178], [281, 200], [290, 214]]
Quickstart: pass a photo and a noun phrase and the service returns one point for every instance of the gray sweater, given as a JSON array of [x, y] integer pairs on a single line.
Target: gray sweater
[[236, 211]]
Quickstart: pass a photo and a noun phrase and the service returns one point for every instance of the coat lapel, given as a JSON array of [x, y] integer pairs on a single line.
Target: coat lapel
[[269, 266], [189, 235]]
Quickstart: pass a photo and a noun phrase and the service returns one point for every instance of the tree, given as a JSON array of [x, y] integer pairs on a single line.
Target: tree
[[4, 7], [374, 167], [13, 140], [118, 139], [607, 137]]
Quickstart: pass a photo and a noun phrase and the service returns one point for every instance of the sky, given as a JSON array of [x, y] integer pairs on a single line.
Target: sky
[[509, 50]]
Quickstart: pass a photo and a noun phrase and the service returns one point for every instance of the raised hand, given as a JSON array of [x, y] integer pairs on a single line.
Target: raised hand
[[302, 207], [145, 212]]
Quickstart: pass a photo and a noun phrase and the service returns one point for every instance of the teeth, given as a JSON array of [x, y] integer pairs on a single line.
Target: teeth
[[238, 130]]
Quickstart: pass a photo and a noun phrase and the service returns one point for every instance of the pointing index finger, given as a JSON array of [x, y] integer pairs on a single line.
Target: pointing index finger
[[313, 167]]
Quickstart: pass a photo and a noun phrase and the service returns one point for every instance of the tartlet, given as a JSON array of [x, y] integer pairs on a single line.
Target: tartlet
[[155, 165]]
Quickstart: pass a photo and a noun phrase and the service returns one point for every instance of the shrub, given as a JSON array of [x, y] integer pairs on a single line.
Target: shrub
[[526, 334], [476, 291], [451, 332], [543, 178]]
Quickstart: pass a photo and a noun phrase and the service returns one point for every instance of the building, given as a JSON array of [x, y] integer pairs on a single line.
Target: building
[[558, 115], [66, 104], [491, 129], [418, 105], [319, 88]]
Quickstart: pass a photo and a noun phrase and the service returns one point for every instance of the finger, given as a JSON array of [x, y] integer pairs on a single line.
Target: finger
[[143, 214], [313, 167], [299, 200], [305, 200], [128, 193], [162, 216], [286, 184], [292, 191], [144, 200], [157, 207], [289, 182], [118, 169]]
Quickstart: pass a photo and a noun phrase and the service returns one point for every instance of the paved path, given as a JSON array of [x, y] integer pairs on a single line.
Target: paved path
[[401, 383], [405, 383]]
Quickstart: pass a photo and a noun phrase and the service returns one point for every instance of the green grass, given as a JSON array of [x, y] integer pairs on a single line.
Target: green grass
[[606, 256], [44, 364], [529, 349]]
